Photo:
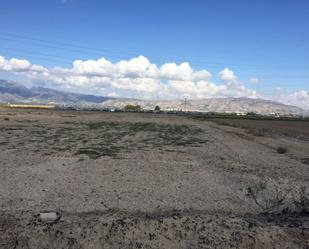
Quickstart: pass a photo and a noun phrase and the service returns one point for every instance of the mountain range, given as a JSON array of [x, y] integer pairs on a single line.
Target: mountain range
[[17, 93], [14, 92]]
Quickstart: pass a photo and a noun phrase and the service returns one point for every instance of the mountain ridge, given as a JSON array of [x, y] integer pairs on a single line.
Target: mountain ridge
[[14, 92]]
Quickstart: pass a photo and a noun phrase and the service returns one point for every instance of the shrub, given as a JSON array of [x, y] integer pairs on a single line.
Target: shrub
[[271, 196], [267, 195], [282, 150], [300, 197], [132, 108], [157, 108], [305, 160]]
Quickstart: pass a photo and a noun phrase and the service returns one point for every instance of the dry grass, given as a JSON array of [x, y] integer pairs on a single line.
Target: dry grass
[[273, 196], [98, 139]]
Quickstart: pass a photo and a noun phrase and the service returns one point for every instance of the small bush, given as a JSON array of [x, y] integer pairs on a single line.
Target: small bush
[[267, 195], [6, 119], [271, 196], [305, 160], [282, 150], [132, 108], [300, 197], [157, 108]]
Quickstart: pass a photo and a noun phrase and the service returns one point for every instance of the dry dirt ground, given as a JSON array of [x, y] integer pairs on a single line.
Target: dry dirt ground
[[125, 180]]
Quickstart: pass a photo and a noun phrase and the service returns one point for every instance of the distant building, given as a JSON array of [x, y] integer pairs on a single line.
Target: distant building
[[31, 106], [241, 113]]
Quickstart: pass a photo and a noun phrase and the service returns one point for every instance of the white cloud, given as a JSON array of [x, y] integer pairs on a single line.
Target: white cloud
[[146, 85], [100, 67], [14, 65], [201, 75], [139, 67], [135, 67], [298, 98], [227, 75], [198, 89], [135, 77], [113, 94], [254, 80], [38, 68], [139, 78]]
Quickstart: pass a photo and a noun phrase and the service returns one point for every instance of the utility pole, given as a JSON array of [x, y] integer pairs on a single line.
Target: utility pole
[[186, 102]]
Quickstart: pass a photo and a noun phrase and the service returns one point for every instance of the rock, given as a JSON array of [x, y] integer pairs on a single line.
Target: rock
[[49, 217]]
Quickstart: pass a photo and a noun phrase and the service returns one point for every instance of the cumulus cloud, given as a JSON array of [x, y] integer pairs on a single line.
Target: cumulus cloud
[[135, 77], [38, 68], [139, 67], [227, 75], [14, 65], [100, 67], [298, 98], [183, 72], [139, 78]]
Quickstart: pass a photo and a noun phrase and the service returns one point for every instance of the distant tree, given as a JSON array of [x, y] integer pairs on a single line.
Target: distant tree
[[132, 108], [157, 108], [251, 114]]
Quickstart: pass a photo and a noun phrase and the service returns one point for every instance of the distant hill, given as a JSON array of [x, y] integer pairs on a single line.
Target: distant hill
[[212, 105], [14, 92]]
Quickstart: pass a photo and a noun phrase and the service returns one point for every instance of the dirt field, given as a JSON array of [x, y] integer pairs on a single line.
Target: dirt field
[[294, 135], [273, 128], [125, 180]]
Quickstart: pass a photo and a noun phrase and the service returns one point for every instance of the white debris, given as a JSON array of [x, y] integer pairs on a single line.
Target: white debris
[[49, 217]]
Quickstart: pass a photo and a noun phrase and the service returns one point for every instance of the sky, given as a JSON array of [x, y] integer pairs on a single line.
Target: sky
[[159, 49]]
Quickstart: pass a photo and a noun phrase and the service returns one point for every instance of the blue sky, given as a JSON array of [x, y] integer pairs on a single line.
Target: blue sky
[[263, 39]]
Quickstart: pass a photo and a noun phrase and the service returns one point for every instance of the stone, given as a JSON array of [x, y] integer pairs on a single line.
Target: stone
[[49, 217]]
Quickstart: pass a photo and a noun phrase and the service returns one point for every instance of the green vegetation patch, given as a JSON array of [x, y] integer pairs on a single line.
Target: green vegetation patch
[[132, 108], [99, 151], [115, 137], [99, 139]]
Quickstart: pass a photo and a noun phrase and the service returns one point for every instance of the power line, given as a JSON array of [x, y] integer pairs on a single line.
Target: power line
[[116, 54], [42, 55], [66, 49], [69, 60], [55, 47], [68, 45]]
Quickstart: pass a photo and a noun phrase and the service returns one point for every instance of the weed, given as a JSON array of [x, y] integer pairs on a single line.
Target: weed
[[300, 197], [282, 149], [271, 196], [68, 116], [305, 160], [99, 151], [98, 139], [261, 132], [267, 195]]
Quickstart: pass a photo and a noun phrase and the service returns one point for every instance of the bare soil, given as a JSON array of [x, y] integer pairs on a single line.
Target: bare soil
[[133, 180], [292, 135], [298, 129]]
